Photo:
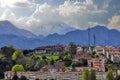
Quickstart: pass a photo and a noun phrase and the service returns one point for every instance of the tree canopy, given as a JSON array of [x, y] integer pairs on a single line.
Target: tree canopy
[[23, 78], [17, 67], [7, 51], [89, 75], [109, 75], [92, 74], [85, 75], [17, 54], [72, 49]]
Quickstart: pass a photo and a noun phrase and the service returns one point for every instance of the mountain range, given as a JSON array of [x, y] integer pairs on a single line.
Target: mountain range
[[7, 27], [23, 39]]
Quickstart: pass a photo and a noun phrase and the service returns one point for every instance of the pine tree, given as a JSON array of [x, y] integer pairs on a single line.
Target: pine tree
[[85, 75], [92, 74], [109, 75], [72, 49]]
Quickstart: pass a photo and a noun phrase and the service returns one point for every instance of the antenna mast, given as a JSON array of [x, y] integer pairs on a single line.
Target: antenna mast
[[94, 40], [89, 36]]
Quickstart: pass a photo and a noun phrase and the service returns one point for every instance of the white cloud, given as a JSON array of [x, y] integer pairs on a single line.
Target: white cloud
[[24, 3], [91, 24], [106, 4], [0, 4], [79, 14], [114, 22], [43, 16], [69, 7], [7, 3], [8, 15], [46, 14], [89, 1], [16, 3], [76, 14]]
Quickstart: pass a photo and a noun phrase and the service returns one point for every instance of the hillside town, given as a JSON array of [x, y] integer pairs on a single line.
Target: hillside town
[[59, 39], [69, 62]]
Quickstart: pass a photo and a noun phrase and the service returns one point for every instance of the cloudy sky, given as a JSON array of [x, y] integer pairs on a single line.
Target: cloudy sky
[[39, 16]]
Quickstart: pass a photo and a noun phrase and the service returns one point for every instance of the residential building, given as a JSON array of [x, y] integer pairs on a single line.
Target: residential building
[[56, 67], [82, 55], [97, 64], [110, 52], [115, 57], [49, 50]]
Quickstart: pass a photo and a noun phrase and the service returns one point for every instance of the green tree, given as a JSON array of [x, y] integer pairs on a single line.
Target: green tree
[[7, 51], [44, 57], [37, 79], [95, 54], [15, 77], [19, 58], [17, 67], [61, 55], [109, 75], [17, 54], [27, 66], [92, 74], [85, 75], [117, 77], [71, 49], [34, 63], [23, 78], [37, 65], [52, 62], [77, 64], [68, 61]]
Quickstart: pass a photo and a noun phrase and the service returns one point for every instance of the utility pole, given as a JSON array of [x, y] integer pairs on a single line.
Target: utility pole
[[89, 38], [94, 40]]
